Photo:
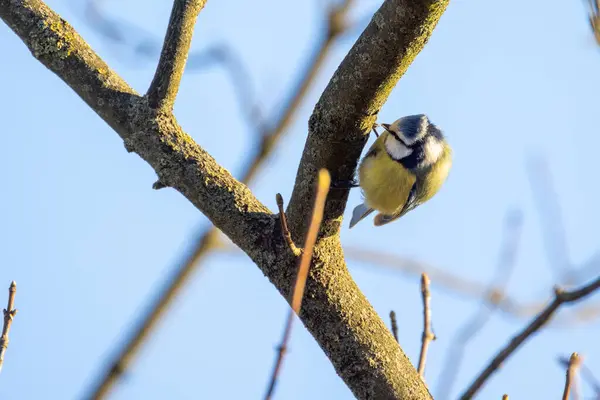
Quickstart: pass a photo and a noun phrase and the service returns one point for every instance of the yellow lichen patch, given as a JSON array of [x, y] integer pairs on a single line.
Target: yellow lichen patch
[[54, 38]]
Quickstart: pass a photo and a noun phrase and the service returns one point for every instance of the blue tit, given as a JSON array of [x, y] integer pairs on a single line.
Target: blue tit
[[405, 167]]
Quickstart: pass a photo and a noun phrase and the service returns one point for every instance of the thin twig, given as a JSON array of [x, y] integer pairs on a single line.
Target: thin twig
[[560, 297], [287, 236], [394, 325], [298, 292], [586, 374], [9, 315], [208, 240], [176, 46], [428, 335], [574, 362], [507, 260]]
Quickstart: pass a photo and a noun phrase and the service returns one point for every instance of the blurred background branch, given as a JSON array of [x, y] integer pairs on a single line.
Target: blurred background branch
[[456, 285], [507, 261], [594, 18]]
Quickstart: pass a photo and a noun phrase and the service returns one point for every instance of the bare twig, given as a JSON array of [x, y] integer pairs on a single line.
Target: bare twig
[[428, 335], [586, 374], [176, 46], [9, 315], [507, 260], [207, 241], [560, 297], [394, 325], [285, 231], [298, 291], [574, 362]]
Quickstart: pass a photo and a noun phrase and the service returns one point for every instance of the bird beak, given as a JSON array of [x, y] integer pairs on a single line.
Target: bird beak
[[386, 127]]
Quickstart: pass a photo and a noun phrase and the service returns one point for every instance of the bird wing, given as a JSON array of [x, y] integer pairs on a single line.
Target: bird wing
[[360, 212], [382, 219]]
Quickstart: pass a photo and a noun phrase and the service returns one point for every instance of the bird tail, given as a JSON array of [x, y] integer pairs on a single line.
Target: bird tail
[[360, 212]]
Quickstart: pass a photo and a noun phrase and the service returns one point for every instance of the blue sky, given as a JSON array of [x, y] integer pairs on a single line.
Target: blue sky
[[88, 240]]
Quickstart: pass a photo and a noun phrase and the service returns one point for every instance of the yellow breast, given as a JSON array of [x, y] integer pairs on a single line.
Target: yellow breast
[[384, 182], [436, 177]]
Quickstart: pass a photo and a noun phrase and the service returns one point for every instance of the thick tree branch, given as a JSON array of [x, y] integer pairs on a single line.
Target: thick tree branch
[[165, 85], [560, 297], [345, 325]]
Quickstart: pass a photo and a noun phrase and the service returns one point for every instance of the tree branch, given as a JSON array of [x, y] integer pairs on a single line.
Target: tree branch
[[362, 350], [586, 373], [9, 315], [428, 335], [560, 297], [165, 85], [574, 362]]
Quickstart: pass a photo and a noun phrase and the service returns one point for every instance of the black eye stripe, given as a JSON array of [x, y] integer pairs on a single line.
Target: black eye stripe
[[414, 145], [398, 138]]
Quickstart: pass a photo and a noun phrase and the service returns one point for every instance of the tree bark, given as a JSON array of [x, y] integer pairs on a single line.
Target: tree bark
[[359, 345]]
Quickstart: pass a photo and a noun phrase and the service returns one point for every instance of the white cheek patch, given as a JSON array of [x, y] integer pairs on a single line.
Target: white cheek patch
[[433, 150], [395, 149]]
